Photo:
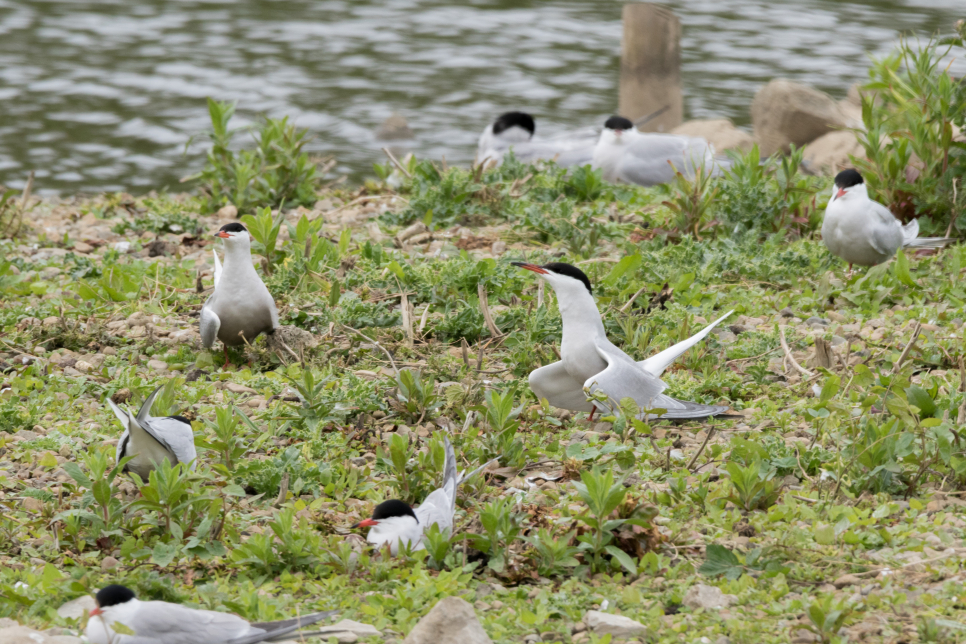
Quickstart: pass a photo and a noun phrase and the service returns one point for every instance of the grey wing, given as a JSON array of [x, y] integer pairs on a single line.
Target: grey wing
[[886, 231], [624, 378], [656, 364], [650, 158], [559, 388], [164, 623], [450, 473], [209, 323], [177, 436], [274, 311], [274, 630]]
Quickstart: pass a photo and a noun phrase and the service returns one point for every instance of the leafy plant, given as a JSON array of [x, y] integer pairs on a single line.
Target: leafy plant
[[602, 495], [752, 489], [277, 171], [501, 527], [416, 397], [826, 617], [553, 554], [265, 232], [229, 445], [691, 198]]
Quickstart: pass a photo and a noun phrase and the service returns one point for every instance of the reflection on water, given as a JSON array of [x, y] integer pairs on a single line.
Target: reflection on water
[[104, 95]]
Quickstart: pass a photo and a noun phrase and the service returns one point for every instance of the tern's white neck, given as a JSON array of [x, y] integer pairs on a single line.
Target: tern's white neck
[[396, 531], [238, 256], [609, 151], [99, 629]]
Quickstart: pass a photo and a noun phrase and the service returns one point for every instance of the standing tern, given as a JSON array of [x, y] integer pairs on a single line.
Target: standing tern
[[241, 307], [589, 360], [395, 523], [865, 232], [515, 130], [157, 622], [629, 156], [151, 439]]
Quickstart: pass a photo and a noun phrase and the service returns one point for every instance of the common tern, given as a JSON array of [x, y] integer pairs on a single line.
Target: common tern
[[865, 232], [589, 360], [151, 439], [157, 622], [395, 523], [515, 130], [627, 155], [241, 307]]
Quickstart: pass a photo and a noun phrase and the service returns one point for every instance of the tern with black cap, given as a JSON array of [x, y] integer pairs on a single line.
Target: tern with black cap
[[588, 360], [152, 439], [157, 622], [515, 130], [241, 307], [625, 155], [397, 525], [864, 232]]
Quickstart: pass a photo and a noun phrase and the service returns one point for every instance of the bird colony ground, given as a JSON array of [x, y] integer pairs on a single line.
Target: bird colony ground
[[830, 506]]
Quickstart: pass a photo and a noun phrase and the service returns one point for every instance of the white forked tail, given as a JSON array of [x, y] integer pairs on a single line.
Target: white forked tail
[[911, 238]]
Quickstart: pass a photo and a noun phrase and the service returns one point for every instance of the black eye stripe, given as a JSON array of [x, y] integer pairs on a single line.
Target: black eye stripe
[[233, 227], [618, 123], [848, 178], [569, 270], [511, 119]]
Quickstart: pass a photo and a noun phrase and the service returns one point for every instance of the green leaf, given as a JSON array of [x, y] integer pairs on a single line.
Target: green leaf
[[825, 534], [163, 554], [396, 269], [920, 398], [75, 472], [623, 558], [628, 263], [902, 270], [720, 561]]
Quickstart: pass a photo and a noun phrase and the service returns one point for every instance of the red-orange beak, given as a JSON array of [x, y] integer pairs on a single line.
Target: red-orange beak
[[96, 611], [531, 267], [366, 523], [222, 234], [838, 195]]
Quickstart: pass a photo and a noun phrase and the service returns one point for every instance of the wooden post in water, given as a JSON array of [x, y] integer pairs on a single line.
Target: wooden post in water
[[651, 66]]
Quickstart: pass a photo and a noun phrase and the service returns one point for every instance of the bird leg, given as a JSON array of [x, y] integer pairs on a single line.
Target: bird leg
[[592, 410], [848, 275], [227, 361]]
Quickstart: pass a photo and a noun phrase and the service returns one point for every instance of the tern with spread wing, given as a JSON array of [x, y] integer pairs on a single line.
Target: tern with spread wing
[[626, 155], [157, 622], [515, 130], [241, 307], [589, 360], [151, 439], [865, 232], [396, 524]]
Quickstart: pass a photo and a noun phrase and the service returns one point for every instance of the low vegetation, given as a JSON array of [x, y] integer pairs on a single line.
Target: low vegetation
[[830, 510]]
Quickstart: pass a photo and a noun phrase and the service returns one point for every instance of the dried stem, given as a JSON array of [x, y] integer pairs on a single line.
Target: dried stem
[[788, 354]]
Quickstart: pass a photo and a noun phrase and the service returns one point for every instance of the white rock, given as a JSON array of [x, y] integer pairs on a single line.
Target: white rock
[[451, 621], [617, 625], [74, 609], [701, 596], [784, 113], [122, 246]]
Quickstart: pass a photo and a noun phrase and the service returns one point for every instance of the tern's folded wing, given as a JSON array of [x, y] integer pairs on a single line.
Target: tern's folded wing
[[217, 267], [209, 325], [437, 507], [656, 364], [164, 623], [559, 388], [175, 435]]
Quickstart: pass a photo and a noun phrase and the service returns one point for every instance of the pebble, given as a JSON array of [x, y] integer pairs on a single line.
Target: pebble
[[82, 247], [157, 365], [109, 563]]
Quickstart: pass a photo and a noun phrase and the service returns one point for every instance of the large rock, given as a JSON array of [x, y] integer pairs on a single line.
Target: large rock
[[721, 133], [830, 152], [74, 609], [617, 625], [451, 621], [394, 128], [784, 112], [23, 635], [707, 597]]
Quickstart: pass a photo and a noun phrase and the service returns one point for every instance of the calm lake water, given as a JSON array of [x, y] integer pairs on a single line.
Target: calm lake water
[[105, 95]]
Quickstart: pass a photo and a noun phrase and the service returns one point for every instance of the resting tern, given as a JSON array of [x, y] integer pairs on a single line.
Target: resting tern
[[156, 622], [395, 523], [241, 307], [629, 156], [151, 439], [865, 232], [589, 360], [515, 130]]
